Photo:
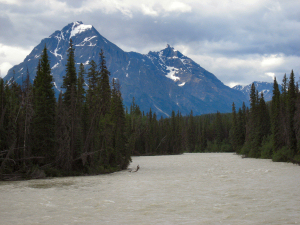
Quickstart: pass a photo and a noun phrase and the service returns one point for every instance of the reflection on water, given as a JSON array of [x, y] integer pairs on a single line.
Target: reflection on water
[[208, 188]]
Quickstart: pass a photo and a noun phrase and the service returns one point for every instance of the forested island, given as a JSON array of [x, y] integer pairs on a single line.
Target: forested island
[[88, 131]]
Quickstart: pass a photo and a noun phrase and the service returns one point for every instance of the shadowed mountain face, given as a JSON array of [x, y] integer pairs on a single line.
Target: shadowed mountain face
[[163, 81]]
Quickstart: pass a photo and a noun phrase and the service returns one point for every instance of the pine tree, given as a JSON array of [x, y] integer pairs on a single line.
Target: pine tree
[[71, 117], [81, 110], [253, 139], [122, 154], [264, 116], [70, 79], [148, 134], [93, 76], [3, 109], [91, 108], [253, 97], [241, 127], [234, 130], [105, 91], [80, 87], [44, 108], [10, 138], [284, 86], [28, 114], [275, 113], [291, 100], [191, 133], [297, 122], [219, 130], [203, 137], [283, 112]]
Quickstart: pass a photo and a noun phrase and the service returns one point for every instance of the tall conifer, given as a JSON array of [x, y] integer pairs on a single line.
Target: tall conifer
[[291, 100], [80, 86], [44, 107], [70, 79], [191, 132], [119, 126], [104, 86], [234, 130], [275, 113]]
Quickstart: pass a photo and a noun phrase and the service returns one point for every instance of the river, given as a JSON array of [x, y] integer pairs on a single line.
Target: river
[[193, 188]]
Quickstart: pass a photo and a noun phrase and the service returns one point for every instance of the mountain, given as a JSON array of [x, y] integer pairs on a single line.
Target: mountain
[[265, 87], [163, 81]]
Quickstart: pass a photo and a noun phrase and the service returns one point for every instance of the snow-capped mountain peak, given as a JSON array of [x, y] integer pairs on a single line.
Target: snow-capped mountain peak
[[165, 80], [79, 27], [71, 30]]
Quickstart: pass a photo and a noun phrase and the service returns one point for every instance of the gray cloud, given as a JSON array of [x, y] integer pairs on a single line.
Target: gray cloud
[[243, 34], [7, 30], [74, 3]]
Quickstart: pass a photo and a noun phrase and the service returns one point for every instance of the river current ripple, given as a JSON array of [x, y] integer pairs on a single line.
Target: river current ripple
[[193, 188]]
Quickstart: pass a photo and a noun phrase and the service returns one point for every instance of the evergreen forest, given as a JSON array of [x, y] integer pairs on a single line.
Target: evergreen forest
[[88, 131]]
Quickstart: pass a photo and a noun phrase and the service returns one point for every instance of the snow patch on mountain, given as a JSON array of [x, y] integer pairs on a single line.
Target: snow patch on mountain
[[56, 54], [171, 74], [161, 111], [79, 28], [183, 61], [128, 65], [160, 55], [56, 86], [56, 65], [86, 63], [87, 39]]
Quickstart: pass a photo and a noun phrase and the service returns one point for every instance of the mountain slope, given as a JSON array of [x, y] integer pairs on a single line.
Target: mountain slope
[[165, 80], [265, 87]]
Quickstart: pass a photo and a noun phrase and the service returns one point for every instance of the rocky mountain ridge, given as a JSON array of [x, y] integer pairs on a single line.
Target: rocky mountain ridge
[[163, 81], [265, 87]]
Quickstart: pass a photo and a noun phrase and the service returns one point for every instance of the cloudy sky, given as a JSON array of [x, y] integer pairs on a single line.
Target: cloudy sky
[[240, 41]]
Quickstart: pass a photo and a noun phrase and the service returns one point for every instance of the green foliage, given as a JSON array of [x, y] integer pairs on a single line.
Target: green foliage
[[266, 147], [71, 137], [90, 133], [297, 158], [215, 146], [80, 88], [291, 109], [44, 108], [245, 149], [93, 77], [257, 125], [121, 152], [275, 117], [104, 87], [70, 79], [281, 155], [297, 122], [273, 131]]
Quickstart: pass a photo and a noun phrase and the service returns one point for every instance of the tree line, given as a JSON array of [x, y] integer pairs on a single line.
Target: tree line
[[272, 130], [263, 130], [88, 131], [81, 132], [148, 135]]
